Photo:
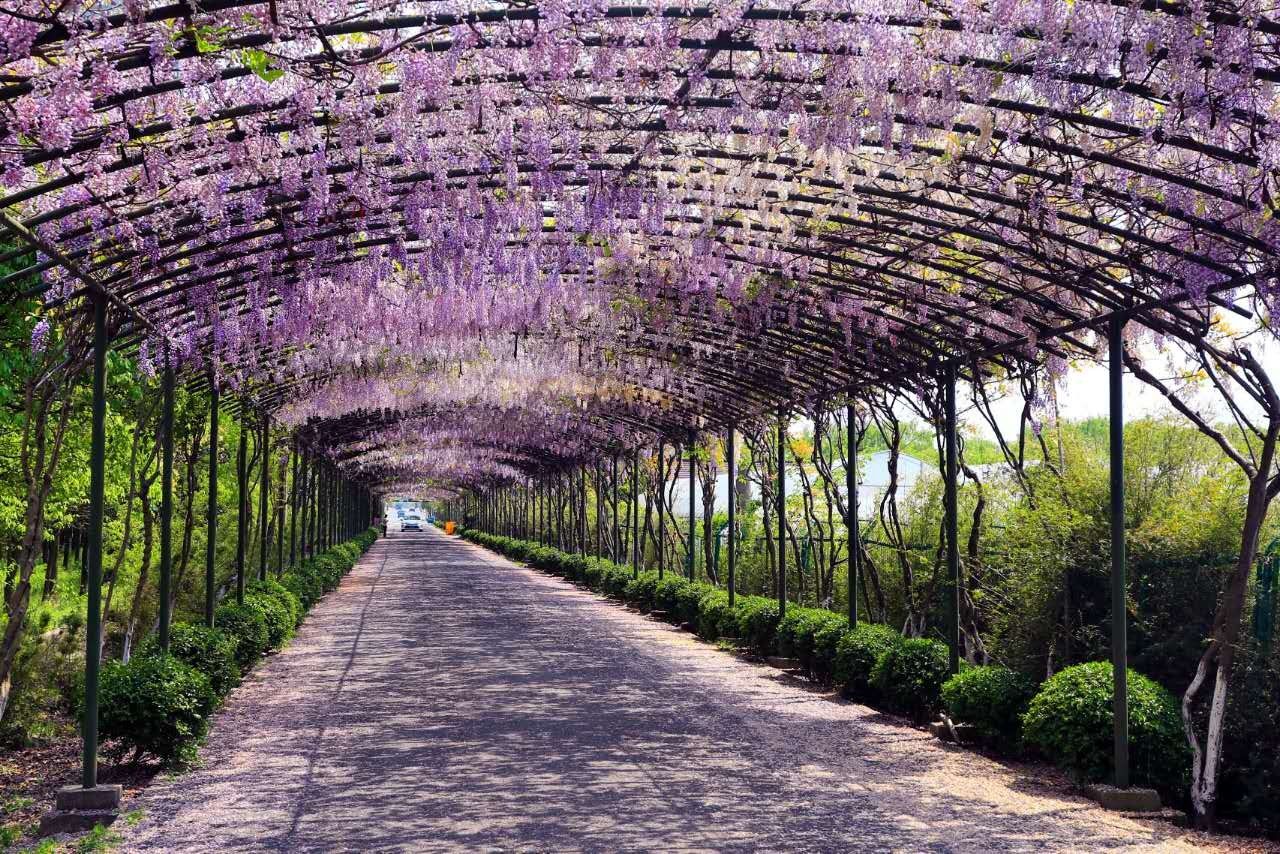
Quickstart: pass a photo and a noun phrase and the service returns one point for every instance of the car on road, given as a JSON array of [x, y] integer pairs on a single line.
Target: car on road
[[411, 523]]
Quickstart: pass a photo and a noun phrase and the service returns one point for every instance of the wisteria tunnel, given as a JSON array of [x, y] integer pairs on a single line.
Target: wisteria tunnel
[[541, 264]]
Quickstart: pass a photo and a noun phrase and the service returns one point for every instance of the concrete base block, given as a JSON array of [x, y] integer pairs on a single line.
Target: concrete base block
[[1124, 800], [77, 809], [97, 799], [967, 733], [74, 821], [782, 663]]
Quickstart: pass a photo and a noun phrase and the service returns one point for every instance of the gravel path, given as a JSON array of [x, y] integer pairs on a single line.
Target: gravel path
[[445, 699]]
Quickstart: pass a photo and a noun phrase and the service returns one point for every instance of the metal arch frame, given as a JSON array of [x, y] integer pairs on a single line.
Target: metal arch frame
[[1118, 303]]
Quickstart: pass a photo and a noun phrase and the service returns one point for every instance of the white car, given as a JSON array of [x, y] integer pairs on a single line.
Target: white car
[[411, 523]]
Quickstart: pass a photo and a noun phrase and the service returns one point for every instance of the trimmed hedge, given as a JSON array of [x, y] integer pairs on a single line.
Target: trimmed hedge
[[1069, 722], [291, 602], [797, 638], [210, 651], [160, 704], [856, 655], [756, 622], [154, 704], [246, 624], [992, 700], [714, 615], [909, 677]]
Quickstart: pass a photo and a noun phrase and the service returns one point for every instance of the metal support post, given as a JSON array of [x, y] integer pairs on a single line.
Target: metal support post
[[211, 517], [731, 466], [852, 524], [97, 497], [166, 504], [1119, 623], [782, 513], [951, 477]]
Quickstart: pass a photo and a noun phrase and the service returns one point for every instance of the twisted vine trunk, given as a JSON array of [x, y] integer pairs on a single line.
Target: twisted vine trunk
[[707, 472], [1232, 372], [1219, 656]]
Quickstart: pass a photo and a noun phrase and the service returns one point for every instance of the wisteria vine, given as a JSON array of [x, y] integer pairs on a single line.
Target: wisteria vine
[[455, 240]]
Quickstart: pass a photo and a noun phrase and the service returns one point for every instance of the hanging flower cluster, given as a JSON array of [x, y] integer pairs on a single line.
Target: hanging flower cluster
[[681, 211]]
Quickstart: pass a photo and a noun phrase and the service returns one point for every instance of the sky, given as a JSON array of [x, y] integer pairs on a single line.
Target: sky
[[1083, 393]]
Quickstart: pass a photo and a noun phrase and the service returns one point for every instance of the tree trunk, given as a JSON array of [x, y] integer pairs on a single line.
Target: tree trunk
[[708, 479], [1220, 655], [40, 454], [51, 568]]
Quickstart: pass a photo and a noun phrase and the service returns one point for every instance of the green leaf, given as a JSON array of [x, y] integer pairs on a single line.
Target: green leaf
[[260, 64]]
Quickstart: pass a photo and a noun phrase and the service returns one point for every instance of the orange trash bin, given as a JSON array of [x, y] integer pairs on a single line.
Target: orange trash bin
[[449, 527]]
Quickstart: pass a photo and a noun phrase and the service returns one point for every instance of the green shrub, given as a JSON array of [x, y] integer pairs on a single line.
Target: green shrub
[[826, 639], [667, 596], [857, 652], [209, 651], [154, 704], [757, 623], [292, 603], [909, 677], [797, 634], [517, 550], [325, 569], [279, 621], [992, 700], [247, 625], [1069, 721], [790, 627], [591, 573], [571, 567], [688, 599], [641, 591], [304, 585], [713, 614], [546, 559], [614, 580]]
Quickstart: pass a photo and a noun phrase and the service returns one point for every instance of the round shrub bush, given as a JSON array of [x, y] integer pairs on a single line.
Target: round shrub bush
[[857, 652], [825, 642], [280, 622], [713, 614], [304, 585], [276, 590], [992, 699], [668, 593], [757, 623], [641, 590], [545, 558], [795, 625], [572, 567], [687, 599], [329, 568], [909, 677], [1069, 721], [208, 650], [592, 572], [799, 638], [247, 625], [614, 580], [154, 704]]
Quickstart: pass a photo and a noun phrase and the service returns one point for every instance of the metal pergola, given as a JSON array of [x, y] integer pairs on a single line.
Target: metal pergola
[[972, 227]]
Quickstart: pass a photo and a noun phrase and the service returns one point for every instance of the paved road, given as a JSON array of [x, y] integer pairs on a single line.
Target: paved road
[[445, 699]]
